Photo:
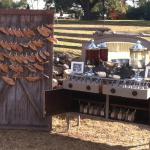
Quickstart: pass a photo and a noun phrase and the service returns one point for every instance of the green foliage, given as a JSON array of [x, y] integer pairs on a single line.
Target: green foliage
[[60, 4], [142, 12], [91, 8], [146, 10], [116, 6], [142, 2], [11, 4], [21, 3], [6, 4], [134, 13]]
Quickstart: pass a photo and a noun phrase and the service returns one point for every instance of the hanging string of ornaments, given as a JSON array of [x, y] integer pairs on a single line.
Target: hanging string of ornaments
[[25, 58]]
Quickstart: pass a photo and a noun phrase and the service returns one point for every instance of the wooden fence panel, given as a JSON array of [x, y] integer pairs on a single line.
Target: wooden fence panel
[[21, 105]]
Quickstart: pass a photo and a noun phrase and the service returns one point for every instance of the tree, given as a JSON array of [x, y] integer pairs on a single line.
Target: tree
[[140, 12], [12, 4], [59, 4], [142, 2], [115, 6], [146, 9], [20, 4], [138, 3], [91, 8]]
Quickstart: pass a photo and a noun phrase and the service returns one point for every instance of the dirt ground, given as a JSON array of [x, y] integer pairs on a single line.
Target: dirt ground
[[93, 134]]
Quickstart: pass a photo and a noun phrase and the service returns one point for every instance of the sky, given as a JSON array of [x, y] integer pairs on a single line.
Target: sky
[[130, 2], [36, 4]]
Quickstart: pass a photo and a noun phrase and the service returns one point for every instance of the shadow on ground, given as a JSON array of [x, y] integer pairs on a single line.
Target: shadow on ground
[[37, 140]]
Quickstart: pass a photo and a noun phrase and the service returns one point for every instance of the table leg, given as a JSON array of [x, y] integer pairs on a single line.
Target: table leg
[[149, 112], [68, 121], [107, 107], [78, 122], [50, 126]]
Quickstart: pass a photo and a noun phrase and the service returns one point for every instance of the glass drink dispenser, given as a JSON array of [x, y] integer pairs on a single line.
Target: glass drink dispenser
[[138, 57], [95, 54]]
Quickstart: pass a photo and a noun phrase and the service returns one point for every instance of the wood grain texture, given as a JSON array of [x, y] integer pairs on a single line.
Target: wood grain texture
[[21, 105]]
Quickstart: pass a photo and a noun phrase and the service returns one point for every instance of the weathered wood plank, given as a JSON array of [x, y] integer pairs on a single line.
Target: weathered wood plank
[[30, 98], [22, 105]]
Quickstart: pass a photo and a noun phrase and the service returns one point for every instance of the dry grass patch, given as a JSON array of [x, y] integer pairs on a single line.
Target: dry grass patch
[[93, 134], [72, 34], [116, 135]]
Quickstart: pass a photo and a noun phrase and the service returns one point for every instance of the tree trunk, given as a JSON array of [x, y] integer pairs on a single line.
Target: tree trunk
[[88, 15], [87, 8]]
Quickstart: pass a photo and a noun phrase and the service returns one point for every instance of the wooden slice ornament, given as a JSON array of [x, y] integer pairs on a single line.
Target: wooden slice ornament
[[13, 31], [31, 68], [24, 59], [5, 45], [16, 33], [44, 31], [19, 48], [4, 31], [19, 59], [16, 47], [30, 32], [13, 68], [42, 55], [31, 58], [0, 44], [26, 33], [24, 45], [4, 68], [5, 55], [16, 68], [38, 43], [32, 79], [19, 69], [38, 58], [13, 46], [46, 53], [8, 47], [10, 32], [39, 67], [12, 57], [8, 80], [32, 46], [20, 33], [2, 57], [15, 57], [51, 26], [52, 40]]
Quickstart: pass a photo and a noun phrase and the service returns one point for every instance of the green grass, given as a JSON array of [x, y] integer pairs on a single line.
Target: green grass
[[108, 22], [72, 33]]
